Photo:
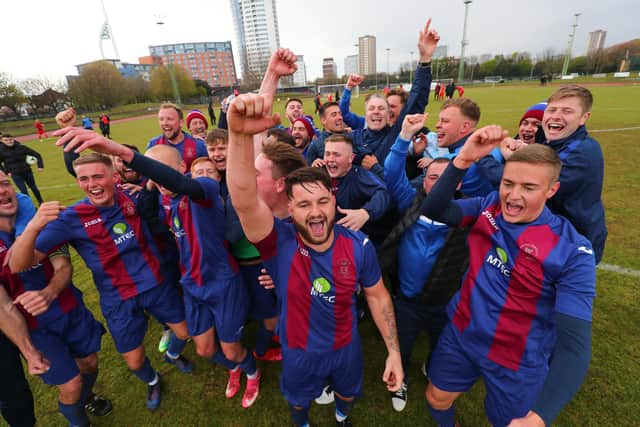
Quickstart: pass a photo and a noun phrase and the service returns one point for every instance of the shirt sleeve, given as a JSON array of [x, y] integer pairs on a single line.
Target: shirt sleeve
[[398, 184], [438, 205], [268, 247], [576, 287], [376, 192], [167, 177], [26, 211], [54, 234], [369, 268], [352, 120]]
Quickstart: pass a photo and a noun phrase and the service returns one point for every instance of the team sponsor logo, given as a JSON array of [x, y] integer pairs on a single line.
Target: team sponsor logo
[[320, 287], [119, 228], [490, 218], [586, 250], [178, 231], [189, 152], [529, 249], [343, 267], [3, 248], [122, 232], [92, 222], [500, 261], [303, 251]]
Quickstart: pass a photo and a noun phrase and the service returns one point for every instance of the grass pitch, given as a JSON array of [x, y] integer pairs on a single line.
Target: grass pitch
[[609, 395]]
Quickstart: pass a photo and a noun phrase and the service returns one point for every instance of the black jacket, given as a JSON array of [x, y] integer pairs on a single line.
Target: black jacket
[[13, 159]]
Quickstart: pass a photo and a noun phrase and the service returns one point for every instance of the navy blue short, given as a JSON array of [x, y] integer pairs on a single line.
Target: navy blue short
[[510, 394], [263, 303], [305, 374], [75, 335], [126, 319], [226, 310]]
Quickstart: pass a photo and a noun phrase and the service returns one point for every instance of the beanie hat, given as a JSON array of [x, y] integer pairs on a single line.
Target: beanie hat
[[306, 124], [535, 111], [196, 114]]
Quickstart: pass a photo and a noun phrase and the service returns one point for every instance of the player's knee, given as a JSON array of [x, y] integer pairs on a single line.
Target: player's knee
[[70, 392], [89, 364], [205, 350], [234, 353], [439, 399]]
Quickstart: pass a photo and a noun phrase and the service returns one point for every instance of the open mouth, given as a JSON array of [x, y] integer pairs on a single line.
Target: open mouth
[[528, 137], [555, 127], [317, 227], [513, 209], [6, 202]]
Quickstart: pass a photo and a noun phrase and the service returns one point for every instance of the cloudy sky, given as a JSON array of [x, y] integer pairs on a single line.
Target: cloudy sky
[[46, 38]]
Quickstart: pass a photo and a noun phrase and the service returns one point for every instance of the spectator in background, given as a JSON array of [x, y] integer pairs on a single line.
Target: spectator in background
[[451, 87], [212, 113], [460, 90], [197, 124], [222, 123], [16, 160], [302, 132], [105, 125], [436, 92], [40, 128], [332, 123], [86, 122]]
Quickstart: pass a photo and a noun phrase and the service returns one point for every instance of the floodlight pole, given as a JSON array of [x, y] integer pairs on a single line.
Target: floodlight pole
[[464, 41], [113, 38], [567, 56], [172, 77], [411, 69], [388, 67]]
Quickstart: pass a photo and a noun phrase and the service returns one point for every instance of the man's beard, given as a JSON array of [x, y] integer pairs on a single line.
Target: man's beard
[[308, 237]]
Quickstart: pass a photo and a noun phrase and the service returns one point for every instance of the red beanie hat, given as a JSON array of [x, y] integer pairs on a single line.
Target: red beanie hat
[[535, 111], [307, 126], [196, 114]]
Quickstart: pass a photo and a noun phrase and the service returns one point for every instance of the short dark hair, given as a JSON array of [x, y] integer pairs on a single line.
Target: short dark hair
[[281, 135], [306, 175], [570, 91], [167, 105], [285, 158], [6, 135], [467, 107], [326, 105], [399, 92], [339, 137], [93, 158], [539, 154], [436, 161], [291, 100], [217, 136]]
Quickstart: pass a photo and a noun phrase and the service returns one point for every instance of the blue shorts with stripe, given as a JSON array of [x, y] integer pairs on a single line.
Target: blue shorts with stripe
[[225, 310], [510, 394], [127, 321], [75, 335], [305, 374]]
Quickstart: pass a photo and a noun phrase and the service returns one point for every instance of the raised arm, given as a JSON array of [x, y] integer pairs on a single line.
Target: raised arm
[[15, 328], [77, 140], [282, 63], [248, 115], [351, 119], [439, 205]]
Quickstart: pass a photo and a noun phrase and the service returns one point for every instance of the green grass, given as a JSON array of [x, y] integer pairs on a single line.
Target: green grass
[[609, 395]]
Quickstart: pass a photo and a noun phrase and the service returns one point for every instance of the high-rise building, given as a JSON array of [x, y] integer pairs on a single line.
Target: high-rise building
[[329, 69], [300, 76], [367, 55], [596, 42], [208, 61], [256, 26], [351, 65]]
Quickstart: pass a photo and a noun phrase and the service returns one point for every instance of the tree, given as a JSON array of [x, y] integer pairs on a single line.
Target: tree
[[10, 94], [161, 86], [100, 84]]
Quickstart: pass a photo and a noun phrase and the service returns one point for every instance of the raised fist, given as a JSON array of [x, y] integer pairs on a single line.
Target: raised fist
[[66, 118], [354, 80], [283, 62], [249, 114], [411, 124]]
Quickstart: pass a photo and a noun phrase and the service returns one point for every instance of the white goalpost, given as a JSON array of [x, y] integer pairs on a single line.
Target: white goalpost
[[326, 90]]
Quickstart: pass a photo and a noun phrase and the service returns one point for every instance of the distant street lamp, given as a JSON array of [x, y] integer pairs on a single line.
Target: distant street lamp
[[411, 69], [172, 77], [388, 67], [567, 56], [464, 41]]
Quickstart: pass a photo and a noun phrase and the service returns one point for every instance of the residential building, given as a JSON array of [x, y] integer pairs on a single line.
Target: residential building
[[256, 26], [329, 69], [367, 55], [208, 61], [351, 65]]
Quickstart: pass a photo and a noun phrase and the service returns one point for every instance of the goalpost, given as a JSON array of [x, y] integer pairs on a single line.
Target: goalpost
[[326, 90]]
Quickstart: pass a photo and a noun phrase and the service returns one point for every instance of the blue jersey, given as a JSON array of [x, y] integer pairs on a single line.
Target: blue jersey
[[190, 148], [199, 227], [34, 279], [316, 290], [519, 275], [113, 241]]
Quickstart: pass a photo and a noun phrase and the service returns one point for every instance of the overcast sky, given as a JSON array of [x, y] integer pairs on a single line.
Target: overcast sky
[[47, 38]]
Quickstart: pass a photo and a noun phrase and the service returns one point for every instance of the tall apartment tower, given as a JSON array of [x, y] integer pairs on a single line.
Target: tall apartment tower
[[367, 55], [256, 26], [595, 42], [329, 69]]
